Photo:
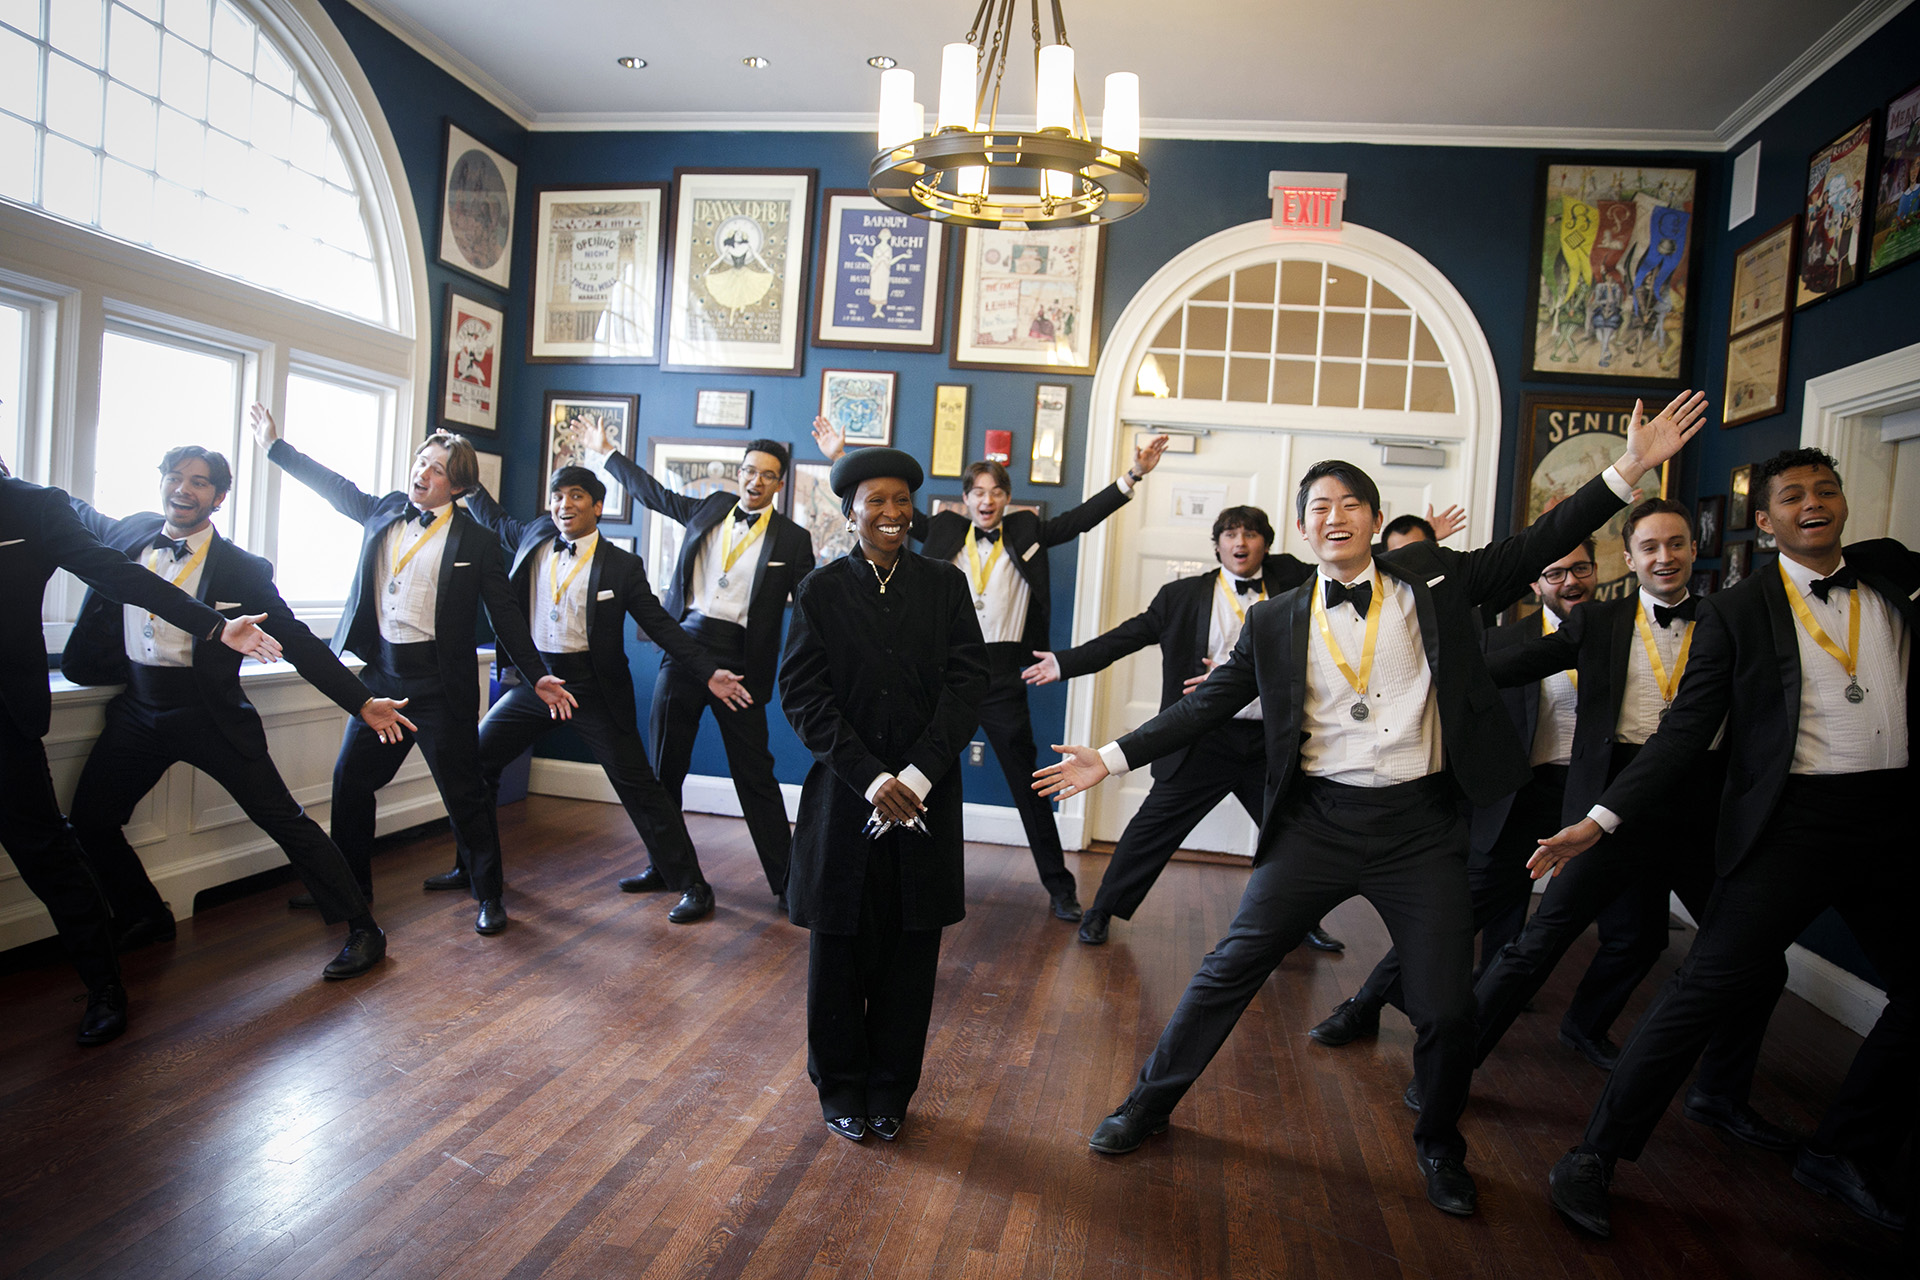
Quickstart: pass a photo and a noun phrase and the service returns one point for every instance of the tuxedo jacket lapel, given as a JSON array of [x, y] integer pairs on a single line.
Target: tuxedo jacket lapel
[[593, 586], [1786, 647], [1619, 655]]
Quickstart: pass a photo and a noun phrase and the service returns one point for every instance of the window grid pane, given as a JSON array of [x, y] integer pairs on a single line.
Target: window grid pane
[[339, 425]]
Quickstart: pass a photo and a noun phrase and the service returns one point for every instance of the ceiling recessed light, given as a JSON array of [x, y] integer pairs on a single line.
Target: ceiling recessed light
[[881, 62], [757, 62], [632, 64]]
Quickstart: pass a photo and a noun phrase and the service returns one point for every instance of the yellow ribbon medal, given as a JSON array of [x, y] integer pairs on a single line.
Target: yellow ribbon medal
[[1666, 687], [1359, 682], [730, 552], [186, 571], [1848, 658], [553, 578], [439, 525], [981, 570]]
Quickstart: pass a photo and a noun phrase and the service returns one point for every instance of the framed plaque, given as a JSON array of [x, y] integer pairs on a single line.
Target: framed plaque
[[949, 429], [1756, 374], [1763, 278], [722, 408]]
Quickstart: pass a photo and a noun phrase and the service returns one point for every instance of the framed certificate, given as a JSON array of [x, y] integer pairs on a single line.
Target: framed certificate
[[1756, 374], [722, 408], [596, 275], [1763, 278]]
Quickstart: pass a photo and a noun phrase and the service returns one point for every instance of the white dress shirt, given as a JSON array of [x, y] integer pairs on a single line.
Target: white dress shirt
[[1837, 736], [729, 603], [407, 615], [1002, 606], [1559, 700], [1223, 630], [168, 646], [568, 634], [1640, 702]]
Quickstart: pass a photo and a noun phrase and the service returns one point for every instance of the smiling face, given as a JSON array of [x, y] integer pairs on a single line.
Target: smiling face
[[429, 487], [575, 513], [188, 497], [1576, 576], [986, 502], [1339, 528], [1241, 550], [1806, 512], [761, 479], [882, 517], [1660, 552]]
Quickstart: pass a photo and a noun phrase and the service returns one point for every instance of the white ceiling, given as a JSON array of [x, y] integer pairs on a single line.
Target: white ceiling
[[1679, 72]]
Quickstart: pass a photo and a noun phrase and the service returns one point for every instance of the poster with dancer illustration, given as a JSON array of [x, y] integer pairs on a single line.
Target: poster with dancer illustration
[[1029, 300], [734, 290], [880, 284]]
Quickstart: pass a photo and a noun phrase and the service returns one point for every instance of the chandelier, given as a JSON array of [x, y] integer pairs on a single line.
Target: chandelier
[[980, 175]]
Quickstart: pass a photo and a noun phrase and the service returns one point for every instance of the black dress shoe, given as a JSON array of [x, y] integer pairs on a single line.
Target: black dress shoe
[[145, 931], [885, 1128], [1578, 1182], [492, 918], [1066, 905], [1093, 926], [365, 948], [106, 1015], [1411, 1096], [1450, 1187], [1126, 1129], [695, 904], [1602, 1053], [454, 879], [648, 881], [1841, 1179], [1737, 1120], [1352, 1018], [1320, 940], [852, 1128]]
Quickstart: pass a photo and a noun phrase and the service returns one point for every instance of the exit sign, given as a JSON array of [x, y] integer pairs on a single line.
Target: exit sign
[[1307, 201]]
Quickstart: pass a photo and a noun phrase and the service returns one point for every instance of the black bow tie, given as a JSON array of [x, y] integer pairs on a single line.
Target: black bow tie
[[1247, 586], [743, 516], [161, 542], [424, 518], [1359, 594], [561, 544], [1684, 611], [986, 535], [1845, 580]]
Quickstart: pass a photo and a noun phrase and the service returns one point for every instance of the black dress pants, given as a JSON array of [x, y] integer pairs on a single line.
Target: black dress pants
[[142, 739], [449, 738], [1231, 761], [35, 835], [1008, 724], [521, 719], [1833, 841], [870, 1000], [1497, 880], [680, 698], [1404, 849]]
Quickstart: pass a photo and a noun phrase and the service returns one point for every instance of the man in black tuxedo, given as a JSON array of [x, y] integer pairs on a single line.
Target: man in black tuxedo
[[578, 587], [739, 562], [1808, 667], [1004, 555], [40, 533], [1195, 621], [425, 567], [184, 701], [1378, 716]]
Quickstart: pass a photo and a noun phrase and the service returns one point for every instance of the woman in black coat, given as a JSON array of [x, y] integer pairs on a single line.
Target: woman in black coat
[[883, 673]]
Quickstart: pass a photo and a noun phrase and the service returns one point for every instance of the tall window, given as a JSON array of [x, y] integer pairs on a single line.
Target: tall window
[[139, 421], [184, 127], [13, 384], [341, 424]]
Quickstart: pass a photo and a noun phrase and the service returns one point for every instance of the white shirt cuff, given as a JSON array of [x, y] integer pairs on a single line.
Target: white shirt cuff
[[1115, 759], [873, 788], [1125, 482], [1609, 820], [1616, 482], [917, 782]]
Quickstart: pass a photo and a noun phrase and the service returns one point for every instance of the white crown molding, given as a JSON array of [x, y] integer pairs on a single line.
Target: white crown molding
[[442, 55], [1819, 57]]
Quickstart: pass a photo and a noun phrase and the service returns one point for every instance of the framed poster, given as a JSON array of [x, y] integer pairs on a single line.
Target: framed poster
[[1614, 273], [596, 275], [860, 403], [817, 510], [734, 287], [959, 507], [490, 469], [1756, 374], [1739, 563], [694, 468], [566, 411], [722, 408], [476, 208], [1029, 300], [1763, 278], [880, 284], [1049, 433], [1709, 522], [1896, 203], [949, 429], [1565, 441], [470, 375], [1830, 224], [1739, 509]]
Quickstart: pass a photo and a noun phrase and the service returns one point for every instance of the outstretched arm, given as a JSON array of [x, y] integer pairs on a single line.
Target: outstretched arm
[[653, 495], [482, 507], [341, 493]]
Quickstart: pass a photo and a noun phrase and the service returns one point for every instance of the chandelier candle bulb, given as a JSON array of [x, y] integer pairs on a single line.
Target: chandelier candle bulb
[[897, 123], [1120, 119], [959, 70], [1053, 99], [919, 119], [972, 183], [1056, 185]]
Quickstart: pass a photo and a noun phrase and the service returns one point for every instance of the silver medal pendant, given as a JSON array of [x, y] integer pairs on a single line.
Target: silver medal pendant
[[1360, 711], [1855, 694], [980, 603], [553, 614], [393, 588], [1663, 712], [723, 581], [147, 631]]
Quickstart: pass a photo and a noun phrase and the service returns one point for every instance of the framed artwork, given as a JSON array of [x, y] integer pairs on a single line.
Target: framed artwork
[[1763, 278], [1565, 441], [694, 468], [1739, 563], [1756, 374], [1709, 522], [860, 403], [959, 507], [490, 468], [1739, 510], [596, 275], [1049, 433], [1830, 224], [476, 208], [1029, 301], [563, 415], [1896, 203], [735, 283], [722, 408], [949, 429], [1614, 273], [817, 510], [880, 284], [470, 374], [1704, 582], [624, 543]]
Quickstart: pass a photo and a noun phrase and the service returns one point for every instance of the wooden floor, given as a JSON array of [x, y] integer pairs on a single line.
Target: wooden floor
[[600, 1093]]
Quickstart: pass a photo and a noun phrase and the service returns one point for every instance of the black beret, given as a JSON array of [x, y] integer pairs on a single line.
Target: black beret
[[856, 465]]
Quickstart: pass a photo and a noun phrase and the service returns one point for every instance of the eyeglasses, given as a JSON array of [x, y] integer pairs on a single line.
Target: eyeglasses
[[1558, 574], [748, 473]]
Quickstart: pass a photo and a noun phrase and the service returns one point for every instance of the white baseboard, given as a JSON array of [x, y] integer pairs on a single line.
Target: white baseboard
[[703, 793]]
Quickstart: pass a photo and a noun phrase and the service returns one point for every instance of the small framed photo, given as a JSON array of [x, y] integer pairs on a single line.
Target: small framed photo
[[624, 543], [1029, 301], [477, 186], [566, 413], [817, 510], [860, 403], [880, 284], [490, 469], [1756, 374], [596, 275], [1831, 228], [735, 286], [1739, 563], [1896, 205], [1709, 522], [722, 408], [1704, 582], [1739, 512], [694, 469], [949, 429], [1049, 433], [470, 372], [1763, 278]]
